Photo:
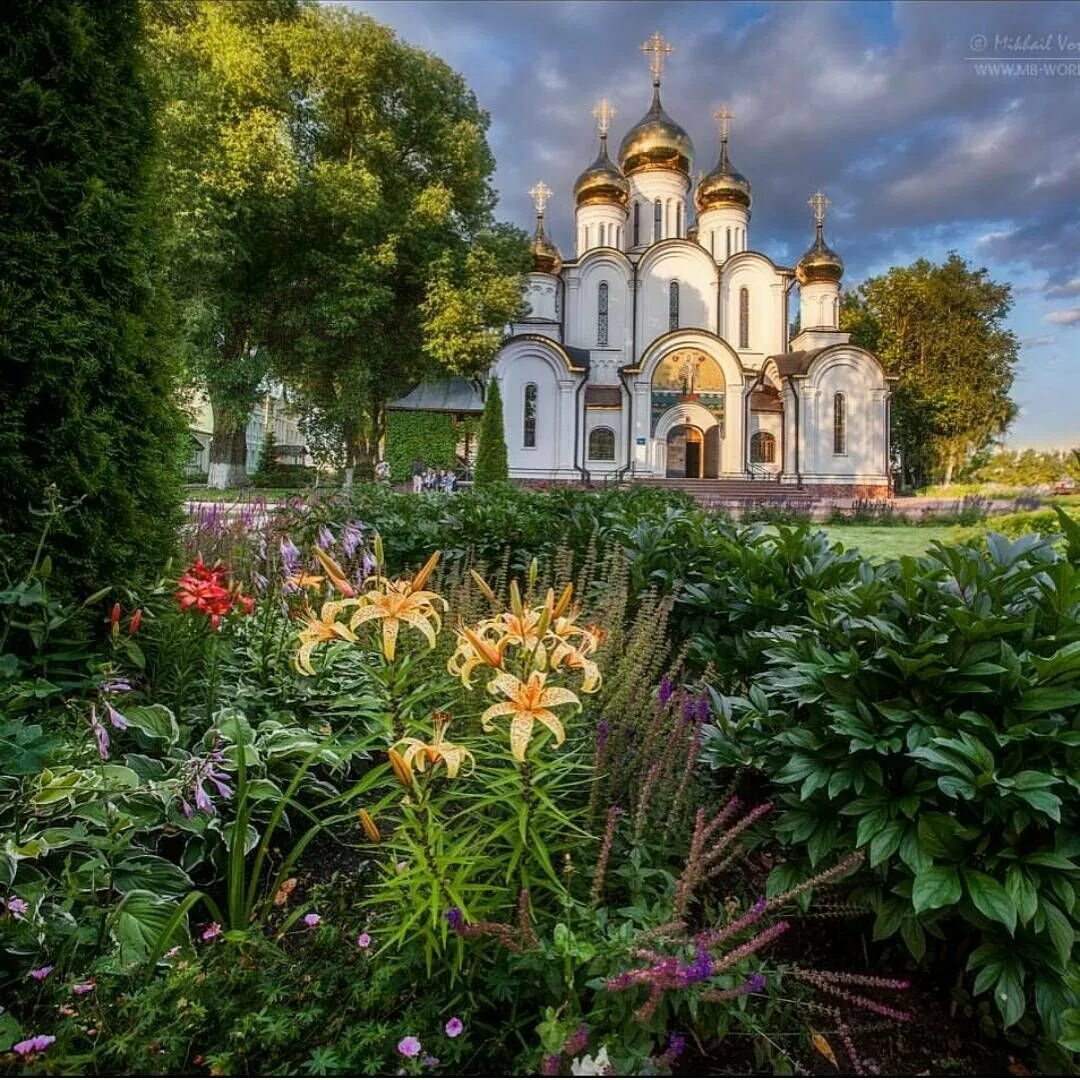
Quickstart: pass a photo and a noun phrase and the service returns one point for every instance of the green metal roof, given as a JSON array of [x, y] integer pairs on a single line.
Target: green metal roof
[[457, 395]]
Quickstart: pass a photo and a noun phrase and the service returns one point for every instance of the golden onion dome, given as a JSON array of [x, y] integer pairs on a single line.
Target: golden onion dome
[[546, 257], [601, 182], [820, 263], [723, 186], [656, 142]]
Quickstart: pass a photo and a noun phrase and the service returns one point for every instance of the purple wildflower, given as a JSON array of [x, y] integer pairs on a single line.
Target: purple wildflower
[[676, 1046], [83, 987], [454, 1027], [116, 718], [16, 907], [702, 709], [667, 688], [259, 582], [755, 984], [701, 969], [364, 941], [312, 919], [429, 1062], [578, 1041], [290, 557], [202, 771], [100, 733], [367, 564], [549, 1066], [455, 919], [212, 931], [409, 1046], [41, 973], [325, 538], [34, 1044], [351, 536], [689, 707], [116, 684], [602, 734]]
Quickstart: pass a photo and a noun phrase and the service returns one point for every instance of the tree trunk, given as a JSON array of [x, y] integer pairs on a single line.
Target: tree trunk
[[228, 453], [949, 464]]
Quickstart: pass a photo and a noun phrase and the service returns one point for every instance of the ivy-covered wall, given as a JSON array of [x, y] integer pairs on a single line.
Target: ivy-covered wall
[[430, 436]]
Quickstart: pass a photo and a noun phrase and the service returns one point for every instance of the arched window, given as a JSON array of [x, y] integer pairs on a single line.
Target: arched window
[[839, 429], [712, 243], [744, 318], [678, 218], [602, 444], [763, 448], [657, 220], [529, 416], [637, 224], [836, 312], [601, 313], [729, 243], [673, 305]]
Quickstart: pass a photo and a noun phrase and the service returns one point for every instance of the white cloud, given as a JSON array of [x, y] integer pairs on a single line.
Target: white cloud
[[1064, 317]]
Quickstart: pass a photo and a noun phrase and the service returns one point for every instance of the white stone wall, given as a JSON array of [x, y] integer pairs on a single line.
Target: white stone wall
[[696, 273], [583, 294], [819, 306], [672, 189], [600, 225], [766, 287], [723, 226]]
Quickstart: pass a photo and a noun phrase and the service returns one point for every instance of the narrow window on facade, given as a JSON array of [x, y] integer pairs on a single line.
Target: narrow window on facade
[[529, 424], [744, 318], [673, 305], [729, 243], [836, 312], [678, 219], [637, 224], [602, 444], [763, 448], [601, 314], [603, 230], [712, 242], [657, 220], [839, 436]]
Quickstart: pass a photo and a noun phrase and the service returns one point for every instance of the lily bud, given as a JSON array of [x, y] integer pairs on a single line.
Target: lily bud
[[136, 622], [367, 823], [402, 769], [114, 618]]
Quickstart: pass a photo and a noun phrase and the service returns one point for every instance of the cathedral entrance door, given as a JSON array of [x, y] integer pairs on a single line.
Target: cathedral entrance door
[[685, 455]]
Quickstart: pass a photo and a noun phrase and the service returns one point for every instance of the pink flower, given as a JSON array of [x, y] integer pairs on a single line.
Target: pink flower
[[41, 973], [171, 953], [33, 1045], [311, 919], [17, 907], [454, 1027], [212, 931], [364, 941], [83, 987], [409, 1046]]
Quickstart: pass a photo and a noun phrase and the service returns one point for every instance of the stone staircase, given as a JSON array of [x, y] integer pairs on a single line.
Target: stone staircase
[[734, 494]]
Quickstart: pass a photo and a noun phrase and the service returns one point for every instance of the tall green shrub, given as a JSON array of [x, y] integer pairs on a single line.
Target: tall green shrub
[[430, 437], [88, 401], [491, 464]]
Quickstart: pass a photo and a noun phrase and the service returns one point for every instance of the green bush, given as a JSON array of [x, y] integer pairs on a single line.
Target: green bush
[[491, 464], [929, 714], [88, 405]]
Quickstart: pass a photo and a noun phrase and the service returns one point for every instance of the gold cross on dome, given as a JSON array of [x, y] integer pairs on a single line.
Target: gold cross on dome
[[540, 193], [818, 204], [656, 48], [723, 116], [604, 113]]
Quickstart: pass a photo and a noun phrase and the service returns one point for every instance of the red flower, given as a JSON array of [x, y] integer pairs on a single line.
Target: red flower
[[203, 587], [114, 618], [136, 622]]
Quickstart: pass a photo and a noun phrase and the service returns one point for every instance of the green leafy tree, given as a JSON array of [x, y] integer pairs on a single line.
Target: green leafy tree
[[403, 272], [88, 400], [227, 172], [491, 465], [939, 329]]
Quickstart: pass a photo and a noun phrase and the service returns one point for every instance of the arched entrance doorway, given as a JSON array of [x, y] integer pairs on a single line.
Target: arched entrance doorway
[[685, 452]]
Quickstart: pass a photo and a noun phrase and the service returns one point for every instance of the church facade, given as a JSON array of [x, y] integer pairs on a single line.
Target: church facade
[[662, 348]]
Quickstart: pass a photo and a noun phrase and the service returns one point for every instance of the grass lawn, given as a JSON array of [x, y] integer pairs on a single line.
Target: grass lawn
[[879, 542]]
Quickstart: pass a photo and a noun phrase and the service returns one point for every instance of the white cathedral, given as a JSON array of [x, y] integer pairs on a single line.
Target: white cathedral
[[662, 348]]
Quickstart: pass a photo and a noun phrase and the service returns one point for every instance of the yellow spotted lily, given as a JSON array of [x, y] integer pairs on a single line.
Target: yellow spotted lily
[[318, 629], [418, 754], [402, 601], [577, 659], [475, 650], [529, 702]]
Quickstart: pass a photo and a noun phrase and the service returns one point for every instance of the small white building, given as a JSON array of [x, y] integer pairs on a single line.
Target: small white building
[[662, 348]]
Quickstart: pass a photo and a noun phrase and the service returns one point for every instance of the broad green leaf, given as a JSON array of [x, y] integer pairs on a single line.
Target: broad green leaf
[[936, 887], [990, 897]]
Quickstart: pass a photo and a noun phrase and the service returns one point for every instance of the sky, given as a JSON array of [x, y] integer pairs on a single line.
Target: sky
[[903, 113]]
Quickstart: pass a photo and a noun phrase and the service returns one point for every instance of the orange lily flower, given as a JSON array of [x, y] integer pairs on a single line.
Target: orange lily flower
[[529, 703], [474, 650], [419, 753], [318, 629], [577, 659], [334, 573]]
